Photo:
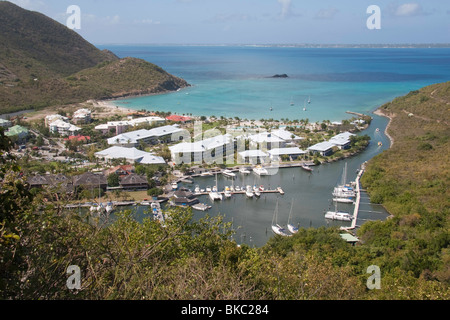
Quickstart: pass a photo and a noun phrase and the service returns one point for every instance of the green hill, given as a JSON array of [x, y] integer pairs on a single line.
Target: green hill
[[415, 169], [44, 63]]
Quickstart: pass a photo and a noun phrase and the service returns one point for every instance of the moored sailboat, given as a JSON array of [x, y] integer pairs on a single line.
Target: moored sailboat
[[291, 227], [276, 228]]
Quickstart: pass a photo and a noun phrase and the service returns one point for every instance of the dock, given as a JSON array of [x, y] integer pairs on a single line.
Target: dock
[[357, 200], [356, 113], [278, 190]]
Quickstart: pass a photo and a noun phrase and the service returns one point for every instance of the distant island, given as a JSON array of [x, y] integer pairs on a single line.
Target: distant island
[[284, 75], [44, 63]]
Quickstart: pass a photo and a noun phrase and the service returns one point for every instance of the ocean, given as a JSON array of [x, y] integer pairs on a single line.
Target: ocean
[[236, 81]]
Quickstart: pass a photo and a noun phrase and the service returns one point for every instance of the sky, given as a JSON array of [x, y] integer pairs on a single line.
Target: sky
[[252, 21]]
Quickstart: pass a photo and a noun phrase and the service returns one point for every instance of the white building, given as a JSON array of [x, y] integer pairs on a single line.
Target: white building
[[53, 117], [287, 136], [266, 141], [121, 126], [323, 148], [208, 150], [253, 157], [155, 135], [63, 128], [131, 155], [342, 140], [292, 153], [82, 116]]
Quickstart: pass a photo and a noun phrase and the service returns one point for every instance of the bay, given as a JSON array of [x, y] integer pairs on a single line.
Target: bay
[[236, 81]]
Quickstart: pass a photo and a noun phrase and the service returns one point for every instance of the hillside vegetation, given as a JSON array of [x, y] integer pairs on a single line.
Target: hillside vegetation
[[43, 63], [416, 168], [412, 180]]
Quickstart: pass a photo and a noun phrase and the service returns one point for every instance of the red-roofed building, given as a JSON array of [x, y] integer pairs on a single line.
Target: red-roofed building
[[177, 118], [78, 138]]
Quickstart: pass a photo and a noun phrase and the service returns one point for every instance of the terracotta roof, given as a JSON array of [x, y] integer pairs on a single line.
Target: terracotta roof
[[177, 118]]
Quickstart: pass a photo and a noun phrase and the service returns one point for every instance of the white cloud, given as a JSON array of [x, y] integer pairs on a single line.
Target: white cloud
[[286, 8], [230, 17], [407, 10], [147, 21], [327, 13]]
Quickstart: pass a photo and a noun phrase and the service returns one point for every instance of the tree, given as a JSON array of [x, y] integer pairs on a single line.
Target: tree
[[113, 180]]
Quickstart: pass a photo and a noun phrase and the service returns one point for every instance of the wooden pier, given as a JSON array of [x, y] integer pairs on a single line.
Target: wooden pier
[[357, 200]]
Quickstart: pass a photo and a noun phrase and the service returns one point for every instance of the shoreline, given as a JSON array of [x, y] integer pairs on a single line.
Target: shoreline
[[378, 112]]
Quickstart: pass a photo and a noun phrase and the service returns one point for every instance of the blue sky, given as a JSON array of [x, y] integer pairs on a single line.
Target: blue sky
[[252, 21]]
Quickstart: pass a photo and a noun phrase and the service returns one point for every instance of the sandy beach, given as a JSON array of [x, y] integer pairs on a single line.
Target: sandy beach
[[103, 109]]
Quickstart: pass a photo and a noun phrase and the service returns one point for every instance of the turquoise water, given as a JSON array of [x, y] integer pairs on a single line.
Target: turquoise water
[[237, 81]]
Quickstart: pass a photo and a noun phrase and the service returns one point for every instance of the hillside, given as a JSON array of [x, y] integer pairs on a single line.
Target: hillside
[[44, 63], [416, 167]]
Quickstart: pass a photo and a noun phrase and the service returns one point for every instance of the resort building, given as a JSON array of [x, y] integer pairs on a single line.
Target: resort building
[[119, 127], [133, 182], [131, 155], [293, 153], [323, 148], [266, 141], [176, 118], [122, 170], [211, 150], [5, 123], [153, 136], [184, 197], [253, 157], [342, 140], [19, 132], [63, 128], [82, 116], [90, 181], [287, 136], [58, 181], [53, 117]]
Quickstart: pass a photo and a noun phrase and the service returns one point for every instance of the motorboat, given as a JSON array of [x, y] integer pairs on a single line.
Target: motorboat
[[249, 192], [338, 215], [343, 200], [229, 173], [197, 190], [214, 195], [227, 193], [244, 170], [260, 171], [174, 186], [157, 213], [307, 168]]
